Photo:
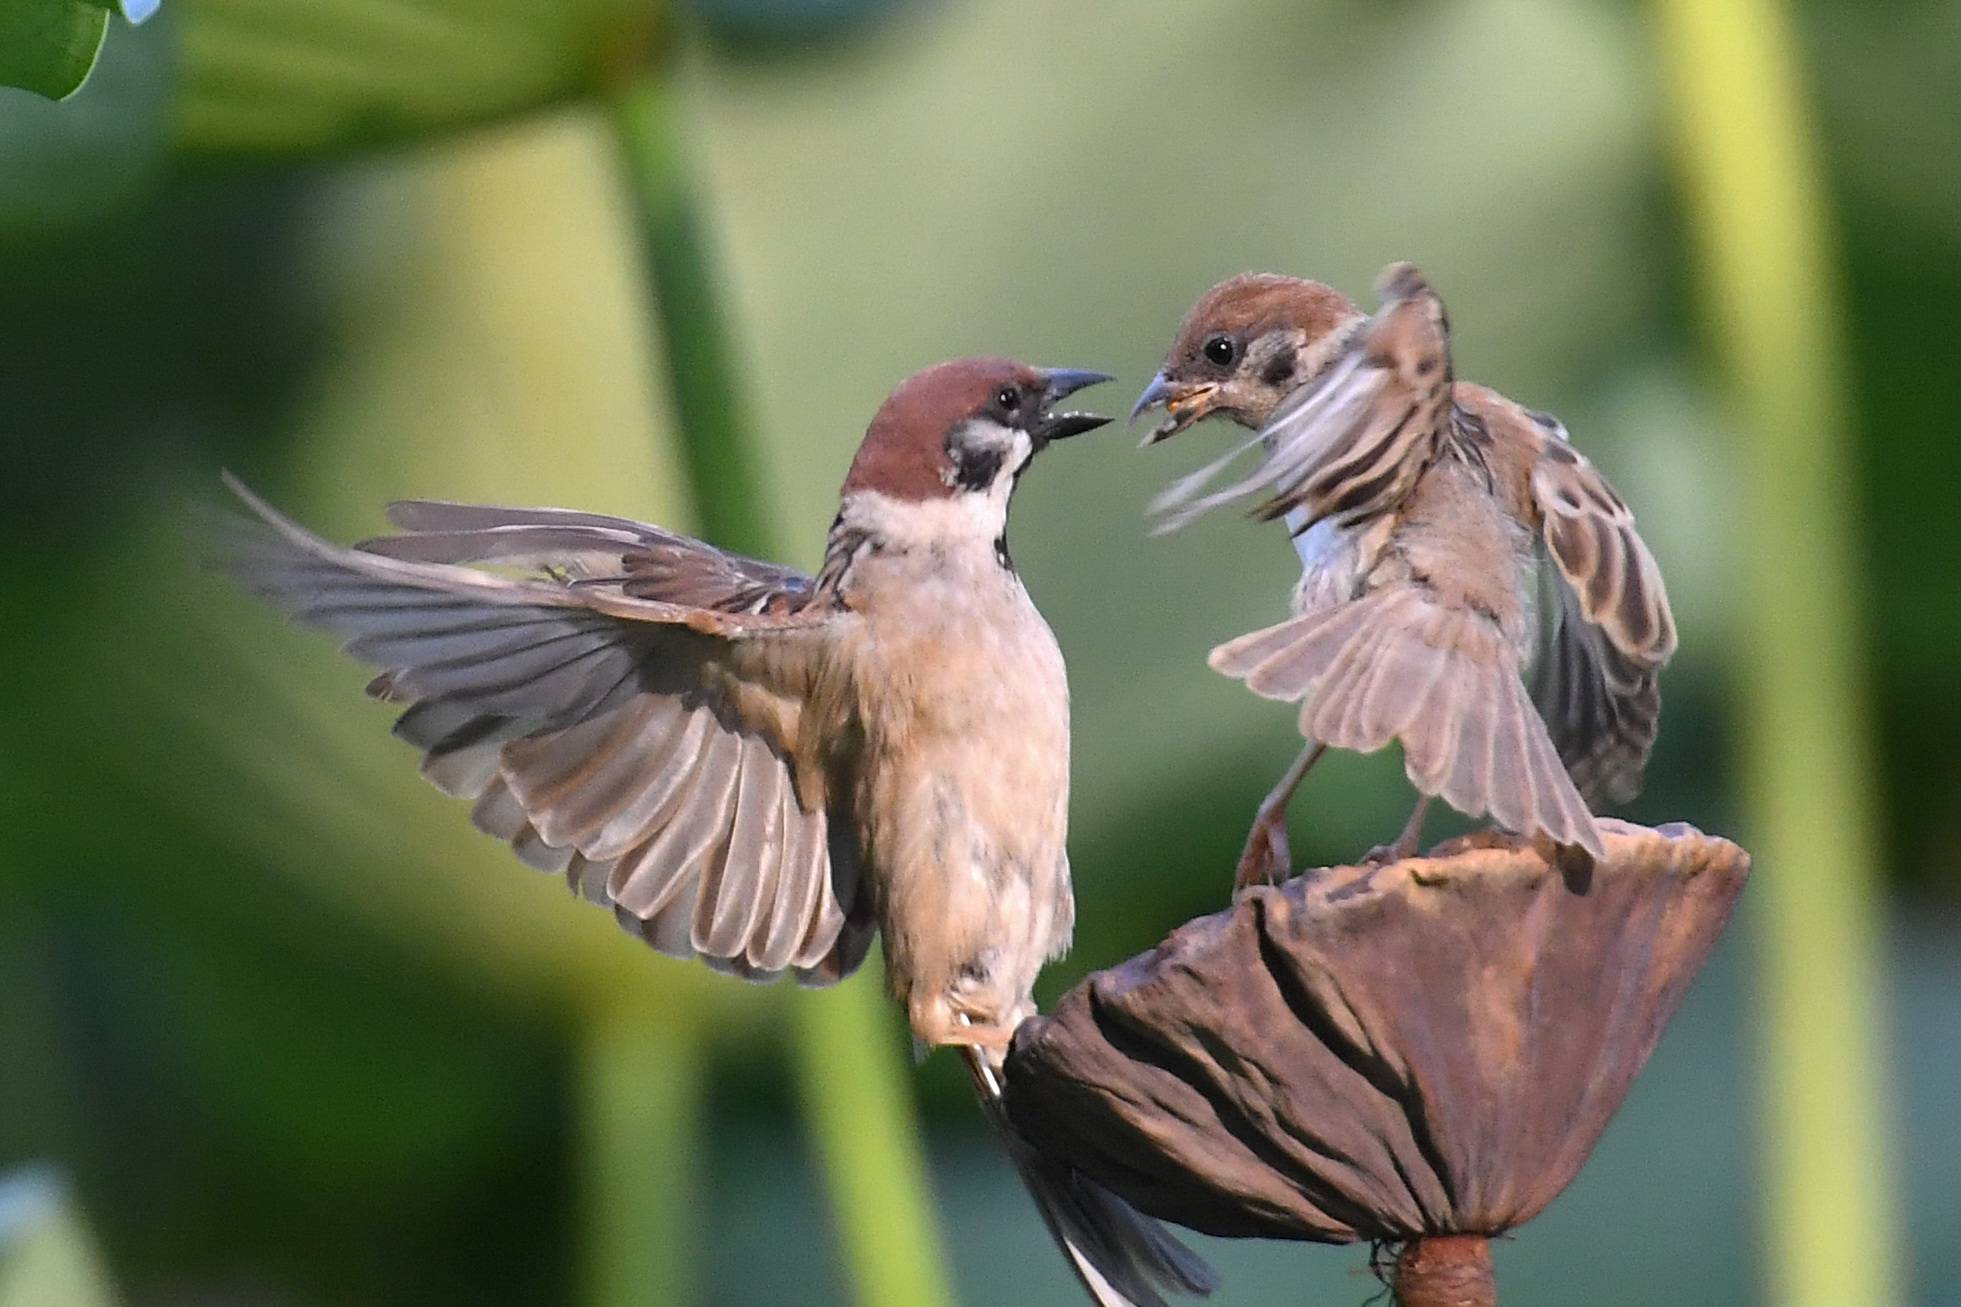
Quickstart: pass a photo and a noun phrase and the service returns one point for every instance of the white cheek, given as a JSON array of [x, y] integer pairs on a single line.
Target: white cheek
[[1020, 450], [980, 434]]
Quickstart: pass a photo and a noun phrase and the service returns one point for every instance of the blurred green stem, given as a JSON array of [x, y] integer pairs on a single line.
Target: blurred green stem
[[639, 1112], [1755, 199], [852, 1073], [852, 1070], [703, 382]]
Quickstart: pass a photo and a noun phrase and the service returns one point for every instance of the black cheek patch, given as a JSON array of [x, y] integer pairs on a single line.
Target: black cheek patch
[[1278, 369], [975, 467]]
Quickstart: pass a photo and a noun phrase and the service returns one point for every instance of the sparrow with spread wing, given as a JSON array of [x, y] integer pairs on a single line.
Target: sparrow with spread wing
[[1421, 507], [764, 769]]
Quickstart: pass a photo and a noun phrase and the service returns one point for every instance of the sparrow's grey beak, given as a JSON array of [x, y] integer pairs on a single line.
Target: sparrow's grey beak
[[1059, 384], [1184, 404], [1155, 395]]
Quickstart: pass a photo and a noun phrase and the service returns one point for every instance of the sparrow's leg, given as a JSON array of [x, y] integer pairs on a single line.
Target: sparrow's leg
[[1266, 858], [1405, 845]]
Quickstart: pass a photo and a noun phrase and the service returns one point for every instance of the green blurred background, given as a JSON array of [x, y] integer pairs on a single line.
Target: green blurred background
[[276, 1027]]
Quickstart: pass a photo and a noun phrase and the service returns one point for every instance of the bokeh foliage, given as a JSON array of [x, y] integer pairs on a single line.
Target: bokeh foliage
[[295, 1030], [1762, 233], [47, 1256]]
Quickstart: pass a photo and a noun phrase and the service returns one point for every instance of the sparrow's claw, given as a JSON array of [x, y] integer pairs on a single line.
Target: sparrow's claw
[[1382, 855], [1404, 845], [1267, 859]]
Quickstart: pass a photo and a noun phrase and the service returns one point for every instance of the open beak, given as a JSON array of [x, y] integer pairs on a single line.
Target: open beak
[[1183, 402], [1060, 383]]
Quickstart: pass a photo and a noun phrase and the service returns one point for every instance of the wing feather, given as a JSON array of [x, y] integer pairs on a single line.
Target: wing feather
[[751, 858], [800, 881], [640, 790], [644, 561], [652, 875], [1613, 631], [461, 773], [609, 713], [569, 776]]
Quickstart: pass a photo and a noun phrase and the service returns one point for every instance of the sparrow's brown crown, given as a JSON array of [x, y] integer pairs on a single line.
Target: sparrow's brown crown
[[1253, 304], [1245, 346], [910, 452]]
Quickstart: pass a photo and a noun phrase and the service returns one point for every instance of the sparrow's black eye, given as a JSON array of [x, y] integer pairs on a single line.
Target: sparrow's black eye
[[1221, 350], [1008, 398]]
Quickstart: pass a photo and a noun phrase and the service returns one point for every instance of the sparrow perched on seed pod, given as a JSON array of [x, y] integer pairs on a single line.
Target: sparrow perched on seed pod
[[1422, 508], [761, 768]]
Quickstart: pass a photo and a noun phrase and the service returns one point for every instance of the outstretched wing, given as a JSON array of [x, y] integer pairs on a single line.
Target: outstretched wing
[[1353, 441], [629, 712], [1596, 685], [649, 562]]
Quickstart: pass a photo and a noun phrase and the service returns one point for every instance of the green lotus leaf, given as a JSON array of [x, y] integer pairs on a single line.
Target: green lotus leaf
[[49, 46]]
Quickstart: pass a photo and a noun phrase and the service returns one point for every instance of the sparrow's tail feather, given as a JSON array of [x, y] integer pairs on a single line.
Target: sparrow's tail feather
[[1122, 1257], [1397, 665]]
